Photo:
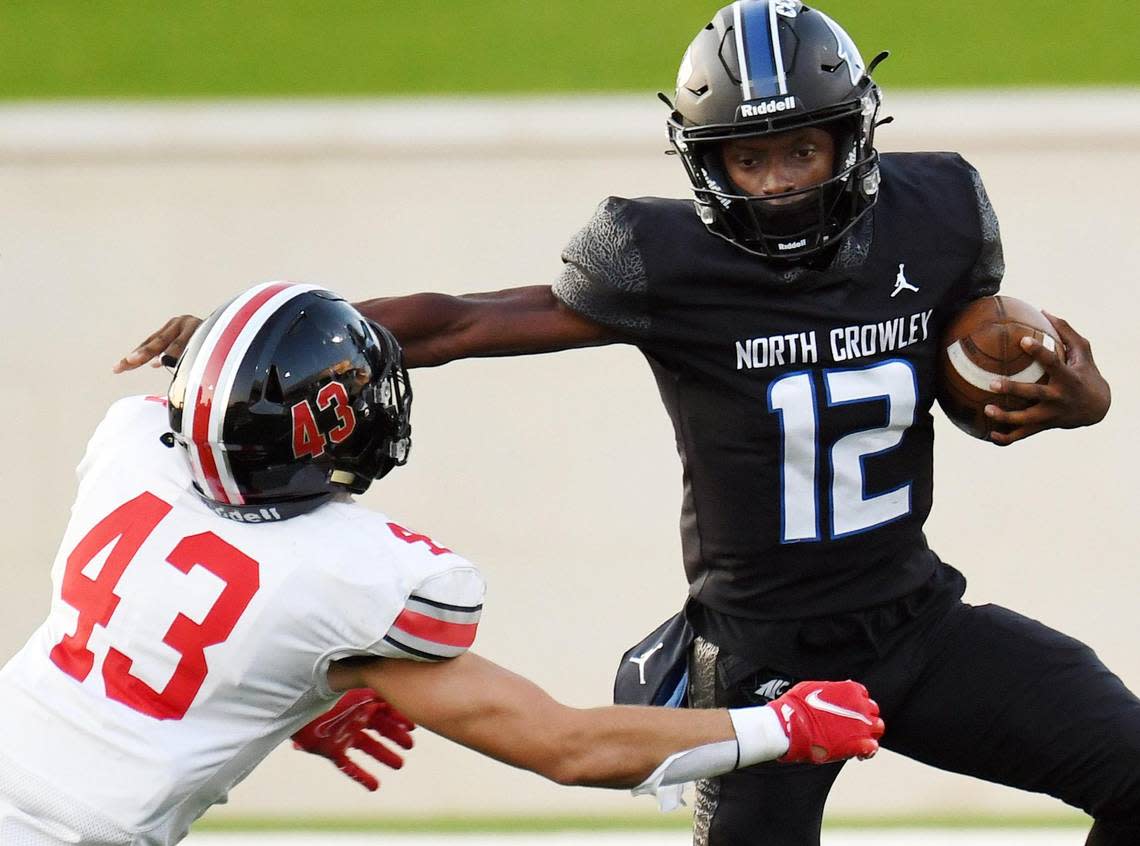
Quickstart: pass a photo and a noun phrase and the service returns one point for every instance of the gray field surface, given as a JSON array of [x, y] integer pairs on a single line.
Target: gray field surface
[[899, 837]]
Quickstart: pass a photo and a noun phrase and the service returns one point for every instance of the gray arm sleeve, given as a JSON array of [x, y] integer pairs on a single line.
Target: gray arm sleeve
[[604, 276], [987, 272]]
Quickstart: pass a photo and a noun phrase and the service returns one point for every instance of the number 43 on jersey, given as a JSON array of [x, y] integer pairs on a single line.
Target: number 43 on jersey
[[126, 529]]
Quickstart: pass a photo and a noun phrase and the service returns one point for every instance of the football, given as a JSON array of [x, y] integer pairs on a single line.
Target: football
[[982, 343]]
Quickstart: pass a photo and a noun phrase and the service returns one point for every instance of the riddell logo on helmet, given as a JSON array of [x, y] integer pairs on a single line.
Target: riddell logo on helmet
[[792, 245], [262, 515], [768, 107]]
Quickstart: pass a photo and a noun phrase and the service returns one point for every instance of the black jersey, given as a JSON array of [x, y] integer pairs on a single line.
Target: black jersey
[[800, 397]]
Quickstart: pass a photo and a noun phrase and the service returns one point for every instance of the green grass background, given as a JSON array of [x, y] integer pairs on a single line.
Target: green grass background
[[201, 48]]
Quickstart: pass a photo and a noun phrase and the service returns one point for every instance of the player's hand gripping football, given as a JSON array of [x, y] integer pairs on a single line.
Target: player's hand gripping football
[[1076, 394], [346, 726], [170, 341], [828, 721]]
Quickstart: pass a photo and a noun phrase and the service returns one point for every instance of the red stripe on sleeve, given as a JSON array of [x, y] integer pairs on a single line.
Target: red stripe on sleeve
[[429, 628]]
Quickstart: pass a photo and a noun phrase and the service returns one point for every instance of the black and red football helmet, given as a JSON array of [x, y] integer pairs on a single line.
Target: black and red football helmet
[[286, 395]]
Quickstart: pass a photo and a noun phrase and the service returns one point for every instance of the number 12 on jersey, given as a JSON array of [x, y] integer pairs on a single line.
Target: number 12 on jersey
[[793, 399]]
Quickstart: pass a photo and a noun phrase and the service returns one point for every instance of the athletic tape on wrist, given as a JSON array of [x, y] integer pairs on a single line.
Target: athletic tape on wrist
[[759, 737], [669, 779]]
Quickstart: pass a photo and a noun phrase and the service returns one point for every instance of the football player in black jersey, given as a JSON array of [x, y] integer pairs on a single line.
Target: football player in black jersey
[[792, 324]]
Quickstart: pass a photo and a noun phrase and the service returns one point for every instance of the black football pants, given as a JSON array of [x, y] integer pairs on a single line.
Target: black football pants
[[976, 690]]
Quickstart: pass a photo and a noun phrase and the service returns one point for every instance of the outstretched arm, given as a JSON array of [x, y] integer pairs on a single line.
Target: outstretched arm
[[436, 328], [489, 709]]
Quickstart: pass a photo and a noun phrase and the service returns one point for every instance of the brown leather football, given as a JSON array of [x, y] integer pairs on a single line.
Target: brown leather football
[[982, 343]]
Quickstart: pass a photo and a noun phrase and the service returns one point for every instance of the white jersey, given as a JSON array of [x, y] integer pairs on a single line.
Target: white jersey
[[182, 646]]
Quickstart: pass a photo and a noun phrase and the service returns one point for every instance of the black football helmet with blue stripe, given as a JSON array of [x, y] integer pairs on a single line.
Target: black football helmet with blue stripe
[[762, 67]]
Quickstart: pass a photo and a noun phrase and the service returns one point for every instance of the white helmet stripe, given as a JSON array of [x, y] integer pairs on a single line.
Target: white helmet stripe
[[228, 374], [211, 381], [738, 28], [190, 410]]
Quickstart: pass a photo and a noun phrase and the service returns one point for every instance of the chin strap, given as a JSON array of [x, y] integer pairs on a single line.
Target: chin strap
[[759, 737]]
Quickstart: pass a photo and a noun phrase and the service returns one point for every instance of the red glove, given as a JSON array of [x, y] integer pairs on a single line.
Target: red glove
[[344, 727], [828, 721]]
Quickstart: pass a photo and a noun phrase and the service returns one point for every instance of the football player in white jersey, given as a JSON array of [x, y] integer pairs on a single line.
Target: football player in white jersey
[[217, 589]]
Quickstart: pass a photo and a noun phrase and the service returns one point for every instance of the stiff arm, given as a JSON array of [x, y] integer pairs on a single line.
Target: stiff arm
[[434, 329], [437, 328]]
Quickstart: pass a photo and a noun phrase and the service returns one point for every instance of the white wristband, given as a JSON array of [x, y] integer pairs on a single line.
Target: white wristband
[[759, 733]]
